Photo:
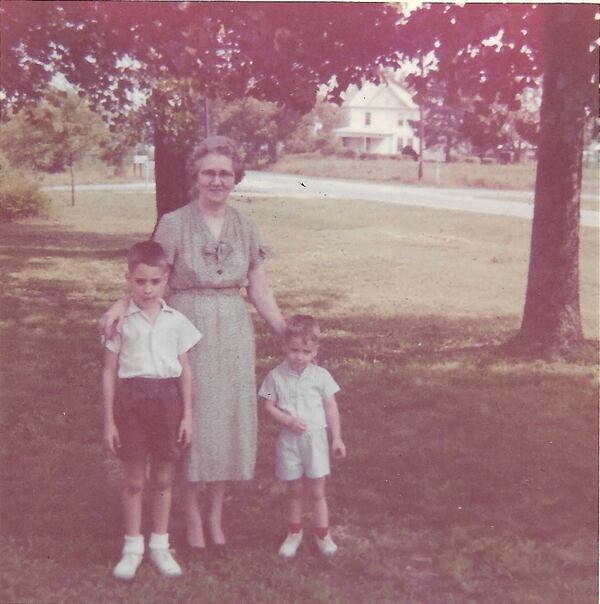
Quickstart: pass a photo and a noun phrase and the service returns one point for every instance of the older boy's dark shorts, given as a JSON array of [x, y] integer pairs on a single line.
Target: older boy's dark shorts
[[148, 413]]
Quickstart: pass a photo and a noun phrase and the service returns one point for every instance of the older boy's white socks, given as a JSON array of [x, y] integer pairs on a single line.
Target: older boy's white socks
[[131, 558], [161, 557]]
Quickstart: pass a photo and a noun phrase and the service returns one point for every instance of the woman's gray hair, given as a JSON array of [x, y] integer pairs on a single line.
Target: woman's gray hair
[[221, 145]]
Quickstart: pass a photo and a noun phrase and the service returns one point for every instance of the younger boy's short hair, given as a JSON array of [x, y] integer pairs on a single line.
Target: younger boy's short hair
[[146, 252], [302, 326]]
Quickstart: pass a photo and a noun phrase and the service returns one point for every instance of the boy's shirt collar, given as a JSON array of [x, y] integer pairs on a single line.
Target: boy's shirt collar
[[289, 371], [133, 308]]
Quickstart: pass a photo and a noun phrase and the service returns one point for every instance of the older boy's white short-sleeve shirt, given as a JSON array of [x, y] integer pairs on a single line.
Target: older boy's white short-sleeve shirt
[[300, 395], [150, 349]]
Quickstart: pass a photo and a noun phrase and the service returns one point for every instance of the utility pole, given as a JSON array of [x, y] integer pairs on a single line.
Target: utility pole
[[421, 123]]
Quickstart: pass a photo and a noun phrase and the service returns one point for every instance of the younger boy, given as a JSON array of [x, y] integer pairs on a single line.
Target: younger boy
[[150, 415], [300, 396]]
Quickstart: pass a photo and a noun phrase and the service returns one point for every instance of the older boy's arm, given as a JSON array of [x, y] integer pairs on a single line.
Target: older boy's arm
[[109, 379], [333, 422], [295, 424], [184, 435]]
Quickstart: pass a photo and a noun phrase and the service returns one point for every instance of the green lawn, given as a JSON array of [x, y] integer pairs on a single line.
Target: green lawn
[[471, 477]]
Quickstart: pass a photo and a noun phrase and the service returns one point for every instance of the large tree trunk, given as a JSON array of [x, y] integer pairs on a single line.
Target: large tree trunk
[[551, 324], [169, 171]]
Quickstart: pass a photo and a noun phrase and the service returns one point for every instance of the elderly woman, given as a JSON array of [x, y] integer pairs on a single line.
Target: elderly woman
[[214, 250]]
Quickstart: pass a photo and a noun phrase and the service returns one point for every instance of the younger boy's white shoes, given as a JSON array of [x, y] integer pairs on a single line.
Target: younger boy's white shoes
[[326, 545], [290, 546], [126, 567]]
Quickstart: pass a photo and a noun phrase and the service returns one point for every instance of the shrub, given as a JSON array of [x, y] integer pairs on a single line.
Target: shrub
[[349, 153], [20, 197]]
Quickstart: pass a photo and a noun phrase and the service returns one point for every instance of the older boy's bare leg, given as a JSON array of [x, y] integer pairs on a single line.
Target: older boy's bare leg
[[318, 502], [193, 515], [135, 474], [162, 474], [295, 496], [216, 494]]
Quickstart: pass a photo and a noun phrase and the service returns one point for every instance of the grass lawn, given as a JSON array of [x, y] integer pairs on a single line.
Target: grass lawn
[[471, 478]]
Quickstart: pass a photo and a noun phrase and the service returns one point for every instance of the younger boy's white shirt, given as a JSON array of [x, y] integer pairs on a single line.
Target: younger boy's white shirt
[[149, 349], [300, 395]]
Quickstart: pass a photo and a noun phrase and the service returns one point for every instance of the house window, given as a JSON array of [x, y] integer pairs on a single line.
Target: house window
[[409, 142], [400, 121], [367, 118], [400, 144]]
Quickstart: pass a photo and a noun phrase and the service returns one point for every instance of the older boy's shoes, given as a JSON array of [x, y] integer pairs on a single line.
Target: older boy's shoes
[[127, 565], [290, 546], [166, 565], [326, 545]]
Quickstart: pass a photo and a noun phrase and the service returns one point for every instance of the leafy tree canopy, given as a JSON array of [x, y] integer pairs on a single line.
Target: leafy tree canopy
[[275, 51]]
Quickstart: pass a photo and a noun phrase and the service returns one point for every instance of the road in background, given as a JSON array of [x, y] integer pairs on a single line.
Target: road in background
[[480, 201]]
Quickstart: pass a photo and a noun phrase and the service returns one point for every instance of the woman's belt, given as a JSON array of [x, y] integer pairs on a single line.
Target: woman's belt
[[209, 291]]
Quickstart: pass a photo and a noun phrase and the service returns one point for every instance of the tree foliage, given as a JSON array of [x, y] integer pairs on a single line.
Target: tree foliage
[[474, 63], [52, 134], [259, 126]]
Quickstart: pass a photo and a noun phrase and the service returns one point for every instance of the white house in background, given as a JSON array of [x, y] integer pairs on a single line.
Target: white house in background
[[377, 119]]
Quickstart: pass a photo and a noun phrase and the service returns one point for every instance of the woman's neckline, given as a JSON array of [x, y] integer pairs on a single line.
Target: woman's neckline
[[203, 221]]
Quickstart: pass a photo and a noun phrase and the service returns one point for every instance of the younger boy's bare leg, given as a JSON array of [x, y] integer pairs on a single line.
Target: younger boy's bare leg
[[318, 502], [320, 514], [193, 515], [135, 475], [295, 496], [162, 478]]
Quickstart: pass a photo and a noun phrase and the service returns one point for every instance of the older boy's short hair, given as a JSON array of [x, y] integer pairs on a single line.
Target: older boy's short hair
[[302, 326], [146, 252]]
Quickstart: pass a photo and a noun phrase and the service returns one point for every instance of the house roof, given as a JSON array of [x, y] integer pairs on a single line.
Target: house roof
[[388, 94]]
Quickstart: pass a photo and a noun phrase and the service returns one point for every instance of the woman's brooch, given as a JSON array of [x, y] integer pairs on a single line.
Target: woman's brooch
[[220, 250]]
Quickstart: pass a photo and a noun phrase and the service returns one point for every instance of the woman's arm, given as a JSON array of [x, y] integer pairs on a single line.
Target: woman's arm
[[185, 382], [112, 320], [261, 296]]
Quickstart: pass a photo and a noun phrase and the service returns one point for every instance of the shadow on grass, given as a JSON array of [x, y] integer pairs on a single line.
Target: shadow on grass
[[483, 467]]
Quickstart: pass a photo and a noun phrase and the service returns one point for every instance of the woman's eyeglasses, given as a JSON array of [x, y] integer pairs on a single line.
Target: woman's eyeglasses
[[224, 175]]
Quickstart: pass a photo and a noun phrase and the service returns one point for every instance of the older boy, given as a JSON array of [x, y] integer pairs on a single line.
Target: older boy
[[150, 415]]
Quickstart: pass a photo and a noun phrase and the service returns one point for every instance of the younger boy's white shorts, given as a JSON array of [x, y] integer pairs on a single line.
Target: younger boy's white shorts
[[298, 455]]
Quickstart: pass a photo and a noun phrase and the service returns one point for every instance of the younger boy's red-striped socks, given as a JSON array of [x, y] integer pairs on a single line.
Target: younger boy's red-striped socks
[[321, 531], [294, 528]]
